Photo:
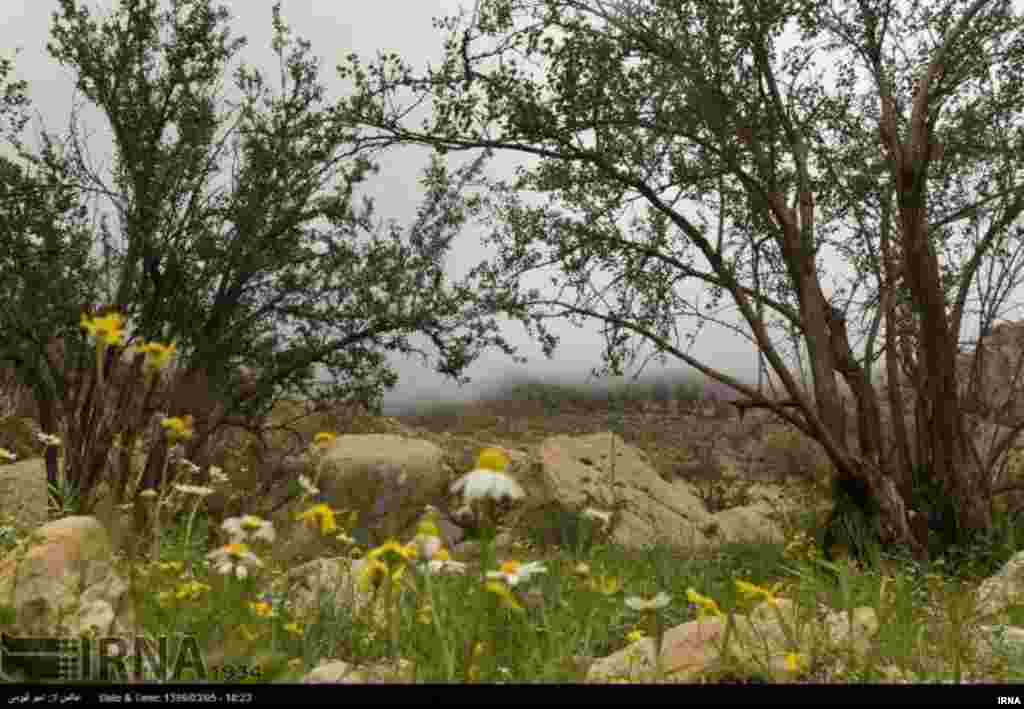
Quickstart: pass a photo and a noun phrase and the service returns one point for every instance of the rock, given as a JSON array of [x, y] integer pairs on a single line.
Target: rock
[[1006, 639], [579, 469], [63, 583], [998, 359], [340, 672], [692, 650], [1004, 589], [23, 496], [388, 479], [749, 523], [71, 562], [994, 404]]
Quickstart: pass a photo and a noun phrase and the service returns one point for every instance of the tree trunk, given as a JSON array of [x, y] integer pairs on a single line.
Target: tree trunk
[[944, 447], [946, 439], [48, 423]]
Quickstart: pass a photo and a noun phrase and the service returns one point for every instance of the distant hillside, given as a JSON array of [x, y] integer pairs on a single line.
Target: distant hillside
[[720, 391]]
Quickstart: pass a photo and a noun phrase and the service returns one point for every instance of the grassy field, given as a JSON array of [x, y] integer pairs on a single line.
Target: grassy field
[[457, 628]]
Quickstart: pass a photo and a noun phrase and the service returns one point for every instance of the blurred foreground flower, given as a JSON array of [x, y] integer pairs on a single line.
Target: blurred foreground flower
[[644, 605], [513, 573], [250, 526], [107, 330], [705, 606], [320, 517], [234, 558], [178, 429]]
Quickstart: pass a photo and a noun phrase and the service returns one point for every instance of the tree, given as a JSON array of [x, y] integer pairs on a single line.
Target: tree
[[42, 235], [223, 273], [659, 105]]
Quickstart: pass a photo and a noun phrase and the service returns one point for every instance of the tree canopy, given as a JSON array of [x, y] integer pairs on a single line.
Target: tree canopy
[[678, 143], [223, 272]]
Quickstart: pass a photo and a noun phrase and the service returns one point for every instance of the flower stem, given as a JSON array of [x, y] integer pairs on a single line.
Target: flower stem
[[191, 519]]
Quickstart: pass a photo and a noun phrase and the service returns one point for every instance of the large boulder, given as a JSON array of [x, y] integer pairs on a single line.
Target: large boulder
[[67, 565], [341, 672], [581, 470], [577, 473], [387, 479], [996, 365], [748, 523], [990, 379], [759, 643], [23, 493]]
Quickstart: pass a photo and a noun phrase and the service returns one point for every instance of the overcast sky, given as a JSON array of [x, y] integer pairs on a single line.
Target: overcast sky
[[335, 28]]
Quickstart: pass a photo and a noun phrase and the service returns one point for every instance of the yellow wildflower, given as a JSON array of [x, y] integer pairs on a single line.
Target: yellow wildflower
[[178, 428], [492, 459], [157, 356], [705, 606], [320, 516], [262, 609], [108, 329], [324, 439]]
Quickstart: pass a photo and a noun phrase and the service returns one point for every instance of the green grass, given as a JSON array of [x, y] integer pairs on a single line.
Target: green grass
[[454, 630]]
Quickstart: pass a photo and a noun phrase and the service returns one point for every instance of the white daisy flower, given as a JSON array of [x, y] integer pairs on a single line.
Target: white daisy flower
[[642, 604], [514, 573], [487, 484], [197, 490], [308, 486], [234, 558], [242, 528]]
